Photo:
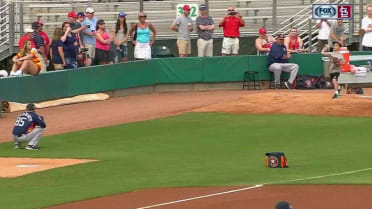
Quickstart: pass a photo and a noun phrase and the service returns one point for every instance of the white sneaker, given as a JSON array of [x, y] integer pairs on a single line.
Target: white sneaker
[[16, 73]]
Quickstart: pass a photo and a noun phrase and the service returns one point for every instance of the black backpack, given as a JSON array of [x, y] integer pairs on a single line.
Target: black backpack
[[324, 83], [306, 82]]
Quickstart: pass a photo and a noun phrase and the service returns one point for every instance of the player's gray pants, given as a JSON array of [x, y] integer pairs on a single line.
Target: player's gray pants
[[277, 69], [32, 138]]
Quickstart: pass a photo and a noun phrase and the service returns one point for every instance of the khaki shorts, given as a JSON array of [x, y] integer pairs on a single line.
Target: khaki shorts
[[205, 48], [58, 66], [184, 46], [230, 45], [91, 50]]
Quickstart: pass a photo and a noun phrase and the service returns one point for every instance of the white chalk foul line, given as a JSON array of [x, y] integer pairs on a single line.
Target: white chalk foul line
[[256, 186], [204, 196], [318, 177]]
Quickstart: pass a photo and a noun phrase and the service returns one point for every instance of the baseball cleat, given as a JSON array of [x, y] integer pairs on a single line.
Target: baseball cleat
[[288, 85], [29, 147]]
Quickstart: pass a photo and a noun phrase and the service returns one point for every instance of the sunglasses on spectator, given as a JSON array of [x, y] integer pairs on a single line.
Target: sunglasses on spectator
[[102, 23], [143, 16], [231, 10]]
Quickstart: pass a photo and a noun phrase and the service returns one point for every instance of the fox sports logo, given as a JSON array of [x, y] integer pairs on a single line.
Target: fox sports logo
[[325, 11]]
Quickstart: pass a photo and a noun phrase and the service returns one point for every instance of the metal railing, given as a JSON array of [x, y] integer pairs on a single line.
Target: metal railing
[[4, 23], [307, 28]]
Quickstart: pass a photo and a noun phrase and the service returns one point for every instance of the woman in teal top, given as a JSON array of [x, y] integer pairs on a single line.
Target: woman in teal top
[[143, 35], [140, 35]]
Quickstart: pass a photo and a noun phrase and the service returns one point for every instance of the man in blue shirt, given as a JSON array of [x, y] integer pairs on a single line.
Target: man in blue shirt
[[29, 128], [89, 34], [278, 61]]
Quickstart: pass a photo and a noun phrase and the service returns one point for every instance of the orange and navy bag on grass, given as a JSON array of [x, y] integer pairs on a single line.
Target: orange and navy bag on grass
[[275, 160]]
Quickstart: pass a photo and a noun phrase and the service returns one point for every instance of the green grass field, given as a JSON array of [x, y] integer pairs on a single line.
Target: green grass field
[[195, 149]]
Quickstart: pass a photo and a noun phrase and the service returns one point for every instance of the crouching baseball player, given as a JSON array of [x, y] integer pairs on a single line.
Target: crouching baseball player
[[28, 128]]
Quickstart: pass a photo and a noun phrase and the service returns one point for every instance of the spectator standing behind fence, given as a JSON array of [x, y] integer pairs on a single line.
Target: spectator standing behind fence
[[324, 27], [140, 35], [80, 17], [278, 61], [89, 34], [72, 19], [367, 30], [75, 24], [121, 38], [26, 36], [56, 50], [70, 45], [231, 23], [80, 57], [263, 42], [40, 45], [103, 42], [337, 32], [45, 37], [293, 42], [26, 61], [183, 25], [205, 27]]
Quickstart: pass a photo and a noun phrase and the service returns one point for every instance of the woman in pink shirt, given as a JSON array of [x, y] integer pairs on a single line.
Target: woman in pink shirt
[[103, 42]]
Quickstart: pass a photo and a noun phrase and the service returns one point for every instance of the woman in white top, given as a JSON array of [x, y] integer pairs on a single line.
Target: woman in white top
[[121, 38]]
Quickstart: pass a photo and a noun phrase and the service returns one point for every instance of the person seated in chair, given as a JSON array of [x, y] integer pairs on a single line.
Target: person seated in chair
[[278, 61]]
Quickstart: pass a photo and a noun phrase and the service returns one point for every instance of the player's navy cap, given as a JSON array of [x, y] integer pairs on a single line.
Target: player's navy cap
[[30, 107], [283, 205]]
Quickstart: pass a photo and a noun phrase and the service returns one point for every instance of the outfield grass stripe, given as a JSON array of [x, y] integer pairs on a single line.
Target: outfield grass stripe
[[204, 196], [318, 177]]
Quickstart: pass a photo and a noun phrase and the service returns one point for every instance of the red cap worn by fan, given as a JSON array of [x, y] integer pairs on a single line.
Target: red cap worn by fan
[[262, 31]]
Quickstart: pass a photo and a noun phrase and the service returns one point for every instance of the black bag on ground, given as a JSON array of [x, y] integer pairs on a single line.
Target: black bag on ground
[[324, 83], [306, 82]]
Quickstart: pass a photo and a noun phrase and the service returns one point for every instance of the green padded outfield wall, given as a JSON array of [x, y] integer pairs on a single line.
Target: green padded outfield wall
[[67, 83]]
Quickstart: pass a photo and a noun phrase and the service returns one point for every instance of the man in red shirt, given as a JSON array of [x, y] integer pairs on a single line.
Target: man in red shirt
[[45, 37], [231, 24], [26, 36]]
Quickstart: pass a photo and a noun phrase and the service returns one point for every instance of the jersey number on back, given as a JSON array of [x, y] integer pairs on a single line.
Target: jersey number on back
[[20, 121]]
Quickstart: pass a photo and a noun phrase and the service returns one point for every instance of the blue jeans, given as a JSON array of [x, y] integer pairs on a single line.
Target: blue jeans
[[120, 54], [71, 63]]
